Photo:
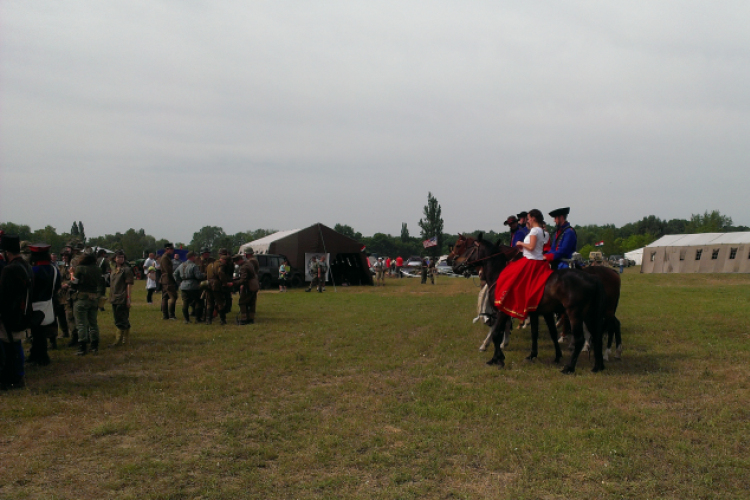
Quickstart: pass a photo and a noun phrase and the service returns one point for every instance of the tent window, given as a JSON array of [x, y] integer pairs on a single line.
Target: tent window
[[698, 254], [653, 256], [733, 253], [682, 254], [715, 254]]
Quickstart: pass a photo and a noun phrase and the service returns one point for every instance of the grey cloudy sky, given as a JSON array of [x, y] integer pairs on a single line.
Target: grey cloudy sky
[[172, 115]]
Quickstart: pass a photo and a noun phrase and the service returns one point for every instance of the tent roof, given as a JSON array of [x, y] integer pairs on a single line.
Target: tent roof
[[702, 239], [261, 245], [638, 251]]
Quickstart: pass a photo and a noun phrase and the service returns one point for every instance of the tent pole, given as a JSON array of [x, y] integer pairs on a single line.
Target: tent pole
[[320, 231]]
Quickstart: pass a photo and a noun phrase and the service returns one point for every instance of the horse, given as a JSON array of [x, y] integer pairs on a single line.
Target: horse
[[570, 291]]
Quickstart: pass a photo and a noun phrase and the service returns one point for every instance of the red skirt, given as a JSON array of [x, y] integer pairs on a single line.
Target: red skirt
[[520, 287]]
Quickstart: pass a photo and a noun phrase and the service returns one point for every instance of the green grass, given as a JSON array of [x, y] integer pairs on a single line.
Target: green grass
[[381, 393]]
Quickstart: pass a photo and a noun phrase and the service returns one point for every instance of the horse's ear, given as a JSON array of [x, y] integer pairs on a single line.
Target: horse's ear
[[479, 236]]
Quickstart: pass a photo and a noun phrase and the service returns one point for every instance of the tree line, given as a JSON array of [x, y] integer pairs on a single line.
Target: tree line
[[136, 243]]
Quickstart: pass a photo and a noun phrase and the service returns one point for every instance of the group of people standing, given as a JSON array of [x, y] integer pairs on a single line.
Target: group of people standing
[[40, 298], [206, 285]]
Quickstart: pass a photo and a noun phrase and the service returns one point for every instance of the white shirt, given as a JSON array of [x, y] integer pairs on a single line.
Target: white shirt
[[541, 239]]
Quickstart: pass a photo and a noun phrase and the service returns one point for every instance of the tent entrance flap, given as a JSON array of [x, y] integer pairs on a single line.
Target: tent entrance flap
[[349, 268]]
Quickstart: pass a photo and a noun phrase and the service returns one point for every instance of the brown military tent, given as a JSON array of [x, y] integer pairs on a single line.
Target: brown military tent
[[348, 263], [698, 253]]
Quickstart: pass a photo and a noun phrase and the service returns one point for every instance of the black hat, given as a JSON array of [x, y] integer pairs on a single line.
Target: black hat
[[168, 245], [119, 252], [560, 211], [206, 250], [223, 251], [511, 220], [11, 243], [522, 215]]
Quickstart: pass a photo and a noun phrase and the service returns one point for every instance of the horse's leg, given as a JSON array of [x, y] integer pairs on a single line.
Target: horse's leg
[[576, 325], [550, 320], [498, 358], [486, 342], [618, 337], [597, 341], [534, 337], [506, 334]]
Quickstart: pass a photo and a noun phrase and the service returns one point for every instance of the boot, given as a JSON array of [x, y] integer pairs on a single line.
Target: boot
[[73, 339], [171, 311], [223, 317], [95, 347], [82, 349], [118, 339]]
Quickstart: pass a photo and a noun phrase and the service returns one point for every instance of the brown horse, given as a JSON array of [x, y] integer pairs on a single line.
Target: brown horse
[[577, 294]]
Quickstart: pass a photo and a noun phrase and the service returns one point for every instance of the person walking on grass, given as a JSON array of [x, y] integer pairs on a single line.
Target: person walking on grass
[[121, 281], [379, 267], [188, 276], [168, 284], [87, 282]]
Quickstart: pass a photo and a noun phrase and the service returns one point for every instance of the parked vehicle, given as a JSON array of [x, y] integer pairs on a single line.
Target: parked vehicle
[[268, 274], [596, 259]]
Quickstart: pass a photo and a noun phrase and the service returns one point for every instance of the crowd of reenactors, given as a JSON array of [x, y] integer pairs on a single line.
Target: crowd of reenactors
[[41, 297]]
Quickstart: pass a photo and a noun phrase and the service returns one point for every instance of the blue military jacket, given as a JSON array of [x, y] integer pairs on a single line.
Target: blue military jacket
[[519, 235], [563, 244]]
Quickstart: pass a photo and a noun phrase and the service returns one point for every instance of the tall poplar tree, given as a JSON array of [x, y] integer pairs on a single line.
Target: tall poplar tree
[[432, 224]]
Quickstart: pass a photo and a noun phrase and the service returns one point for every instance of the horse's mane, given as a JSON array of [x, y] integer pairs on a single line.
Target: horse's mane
[[508, 252]]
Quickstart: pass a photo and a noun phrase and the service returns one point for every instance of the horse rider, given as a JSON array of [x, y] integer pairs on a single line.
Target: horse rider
[[517, 231], [564, 240]]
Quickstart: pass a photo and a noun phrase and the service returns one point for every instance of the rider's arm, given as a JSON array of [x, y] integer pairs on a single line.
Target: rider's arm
[[530, 245]]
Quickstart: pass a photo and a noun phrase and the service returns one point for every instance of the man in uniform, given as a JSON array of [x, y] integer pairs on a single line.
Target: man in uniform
[[103, 262], [87, 282], [564, 240], [517, 231], [322, 270], [168, 284], [423, 270], [314, 272], [16, 286], [249, 286], [221, 285], [44, 299], [120, 286], [203, 263], [74, 249], [62, 297], [188, 276]]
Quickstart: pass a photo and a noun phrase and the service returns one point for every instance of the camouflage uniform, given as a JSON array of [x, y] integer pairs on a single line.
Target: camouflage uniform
[[87, 280]]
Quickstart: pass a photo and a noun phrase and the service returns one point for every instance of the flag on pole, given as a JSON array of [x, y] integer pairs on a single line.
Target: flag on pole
[[432, 242], [600, 244]]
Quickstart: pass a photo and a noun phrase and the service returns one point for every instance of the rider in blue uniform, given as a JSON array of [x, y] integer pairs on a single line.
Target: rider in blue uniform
[[564, 240], [517, 231]]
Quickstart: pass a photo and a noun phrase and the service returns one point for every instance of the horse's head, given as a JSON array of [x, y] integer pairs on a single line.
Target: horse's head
[[462, 250]]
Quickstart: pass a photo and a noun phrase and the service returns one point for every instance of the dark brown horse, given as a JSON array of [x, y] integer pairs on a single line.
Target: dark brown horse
[[577, 294]]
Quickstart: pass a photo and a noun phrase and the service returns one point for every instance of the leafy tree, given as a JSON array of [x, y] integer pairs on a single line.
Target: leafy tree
[[404, 233], [712, 222], [209, 236], [432, 224], [586, 251], [23, 231], [347, 230], [74, 230], [81, 232]]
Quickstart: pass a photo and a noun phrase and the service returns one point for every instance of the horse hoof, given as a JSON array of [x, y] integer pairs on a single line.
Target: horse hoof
[[568, 370], [493, 361], [618, 352], [606, 355], [482, 348], [557, 361]]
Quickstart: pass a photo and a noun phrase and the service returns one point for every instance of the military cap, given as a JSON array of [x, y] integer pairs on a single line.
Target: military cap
[[205, 250], [39, 248], [560, 211], [25, 247], [521, 215], [223, 251], [238, 256], [65, 252], [79, 246], [11, 243], [510, 220], [168, 245], [88, 251], [119, 252], [249, 251]]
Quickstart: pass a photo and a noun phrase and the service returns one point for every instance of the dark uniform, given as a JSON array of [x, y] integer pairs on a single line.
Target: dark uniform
[[16, 286], [564, 241], [220, 283], [119, 280], [44, 301], [87, 282], [168, 285], [203, 262], [249, 286]]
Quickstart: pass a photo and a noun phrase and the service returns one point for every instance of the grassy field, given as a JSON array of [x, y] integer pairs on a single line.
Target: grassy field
[[381, 393]]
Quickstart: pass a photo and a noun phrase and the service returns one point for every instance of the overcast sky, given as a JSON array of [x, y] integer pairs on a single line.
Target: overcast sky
[[173, 115]]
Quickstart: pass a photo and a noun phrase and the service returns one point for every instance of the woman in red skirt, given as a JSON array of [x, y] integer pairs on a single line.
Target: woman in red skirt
[[520, 286]]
